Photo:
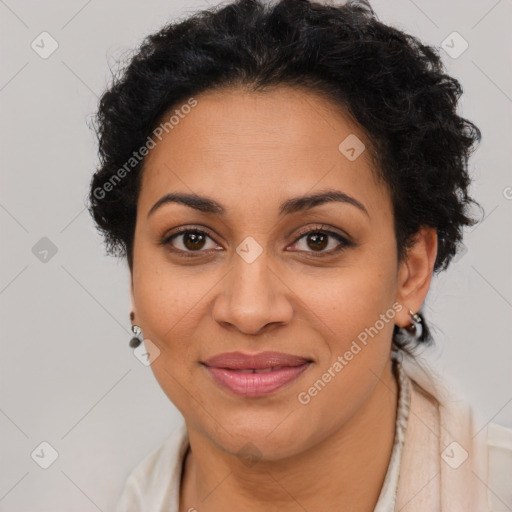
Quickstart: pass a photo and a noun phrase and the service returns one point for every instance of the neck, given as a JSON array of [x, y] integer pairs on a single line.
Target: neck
[[347, 468]]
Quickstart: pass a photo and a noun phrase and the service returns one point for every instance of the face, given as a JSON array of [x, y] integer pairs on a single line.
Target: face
[[253, 269]]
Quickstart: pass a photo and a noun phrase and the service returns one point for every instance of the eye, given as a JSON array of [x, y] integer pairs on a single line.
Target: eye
[[188, 240], [320, 238]]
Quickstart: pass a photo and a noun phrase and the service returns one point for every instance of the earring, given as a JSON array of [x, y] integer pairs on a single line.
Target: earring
[[135, 341], [415, 327]]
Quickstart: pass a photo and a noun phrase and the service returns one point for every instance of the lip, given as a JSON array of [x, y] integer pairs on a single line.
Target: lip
[[235, 371]]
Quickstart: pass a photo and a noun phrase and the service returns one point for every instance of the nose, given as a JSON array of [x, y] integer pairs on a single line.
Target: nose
[[253, 298]]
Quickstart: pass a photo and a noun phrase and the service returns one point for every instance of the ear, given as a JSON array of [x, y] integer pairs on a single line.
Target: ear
[[415, 274]]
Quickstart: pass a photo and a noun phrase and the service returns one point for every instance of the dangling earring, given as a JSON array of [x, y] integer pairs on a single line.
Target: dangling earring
[[415, 327], [135, 341]]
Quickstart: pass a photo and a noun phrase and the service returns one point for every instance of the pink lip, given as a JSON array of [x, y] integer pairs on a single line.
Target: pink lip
[[233, 371]]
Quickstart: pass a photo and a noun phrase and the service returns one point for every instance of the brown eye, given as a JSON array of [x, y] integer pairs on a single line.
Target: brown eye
[[188, 241], [317, 240], [193, 241]]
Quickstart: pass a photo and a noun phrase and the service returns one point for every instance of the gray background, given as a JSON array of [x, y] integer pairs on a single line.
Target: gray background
[[67, 374]]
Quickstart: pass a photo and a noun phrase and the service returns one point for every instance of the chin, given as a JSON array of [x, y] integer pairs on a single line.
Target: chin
[[256, 437]]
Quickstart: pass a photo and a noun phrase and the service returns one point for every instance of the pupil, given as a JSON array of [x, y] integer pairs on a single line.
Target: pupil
[[319, 240]]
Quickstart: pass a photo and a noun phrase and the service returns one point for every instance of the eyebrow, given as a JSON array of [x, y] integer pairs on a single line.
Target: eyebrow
[[293, 205]]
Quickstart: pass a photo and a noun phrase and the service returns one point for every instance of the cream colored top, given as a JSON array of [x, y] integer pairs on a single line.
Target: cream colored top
[[154, 484]]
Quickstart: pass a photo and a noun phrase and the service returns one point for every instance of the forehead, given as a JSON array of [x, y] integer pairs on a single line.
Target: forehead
[[244, 143]]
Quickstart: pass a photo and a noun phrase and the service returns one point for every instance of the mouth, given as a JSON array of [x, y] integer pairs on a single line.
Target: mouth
[[254, 375]]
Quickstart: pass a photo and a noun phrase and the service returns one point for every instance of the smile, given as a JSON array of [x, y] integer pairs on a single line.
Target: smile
[[255, 375]]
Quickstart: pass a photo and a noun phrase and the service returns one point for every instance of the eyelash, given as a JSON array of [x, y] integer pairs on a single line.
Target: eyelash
[[344, 242]]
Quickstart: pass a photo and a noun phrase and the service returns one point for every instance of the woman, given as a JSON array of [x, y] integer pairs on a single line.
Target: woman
[[284, 180]]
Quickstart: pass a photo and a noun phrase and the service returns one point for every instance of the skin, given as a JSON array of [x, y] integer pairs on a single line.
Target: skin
[[250, 152]]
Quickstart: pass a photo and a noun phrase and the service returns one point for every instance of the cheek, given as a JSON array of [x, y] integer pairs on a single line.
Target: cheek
[[356, 326], [349, 299], [167, 297], [168, 301]]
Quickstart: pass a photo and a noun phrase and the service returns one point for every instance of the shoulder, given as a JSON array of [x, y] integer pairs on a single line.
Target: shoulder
[[500, 437], [499, 450], [154, 482], [488, 449]]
